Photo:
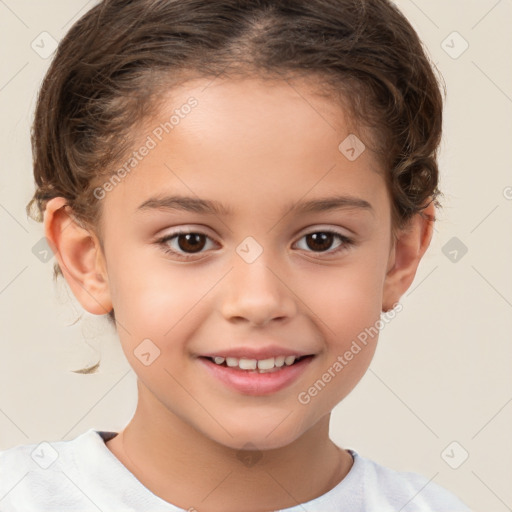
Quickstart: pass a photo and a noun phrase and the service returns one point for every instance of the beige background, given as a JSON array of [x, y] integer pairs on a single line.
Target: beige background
[[442, 371]]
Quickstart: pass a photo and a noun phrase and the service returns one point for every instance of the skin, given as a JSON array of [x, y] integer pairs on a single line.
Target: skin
[[255, 147]]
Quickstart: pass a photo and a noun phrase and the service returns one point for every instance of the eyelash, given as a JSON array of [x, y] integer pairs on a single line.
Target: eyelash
[[163, 242]]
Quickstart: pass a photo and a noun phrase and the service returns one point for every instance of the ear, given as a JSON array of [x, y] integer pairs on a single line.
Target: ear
[[79, 255], [409, 247]]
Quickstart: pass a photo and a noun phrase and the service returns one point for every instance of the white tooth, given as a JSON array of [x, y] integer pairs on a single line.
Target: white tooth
[[218, 359], [247, 364], [289, 360], [279, 361], [266, 364], [231, 361]]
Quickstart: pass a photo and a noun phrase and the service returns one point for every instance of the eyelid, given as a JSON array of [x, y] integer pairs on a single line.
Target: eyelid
[[184, 228], [324, 228]]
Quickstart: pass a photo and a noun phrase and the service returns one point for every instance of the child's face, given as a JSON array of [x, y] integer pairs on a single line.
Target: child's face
[[254, 148]]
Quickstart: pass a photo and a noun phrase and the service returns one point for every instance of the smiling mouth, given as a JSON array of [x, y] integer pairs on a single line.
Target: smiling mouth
[[269, 365]]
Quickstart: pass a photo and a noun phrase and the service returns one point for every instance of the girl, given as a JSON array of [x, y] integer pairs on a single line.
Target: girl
[[243, 186]]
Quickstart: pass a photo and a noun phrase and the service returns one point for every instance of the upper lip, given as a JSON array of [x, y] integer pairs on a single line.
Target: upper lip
[[257, 353]]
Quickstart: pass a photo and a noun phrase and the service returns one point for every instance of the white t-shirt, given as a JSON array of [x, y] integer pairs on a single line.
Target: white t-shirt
[[83, 475]]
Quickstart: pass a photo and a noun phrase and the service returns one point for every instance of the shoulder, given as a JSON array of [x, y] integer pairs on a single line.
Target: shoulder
[[43, 475], [411, 492]]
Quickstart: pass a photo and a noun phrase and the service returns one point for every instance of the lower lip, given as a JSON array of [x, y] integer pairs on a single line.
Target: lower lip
[[255, 383]]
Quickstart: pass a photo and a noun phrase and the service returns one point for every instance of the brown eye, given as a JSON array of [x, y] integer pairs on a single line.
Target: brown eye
[[319, 241], [191, 242]]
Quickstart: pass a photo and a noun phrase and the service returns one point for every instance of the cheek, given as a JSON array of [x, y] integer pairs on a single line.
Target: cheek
[[347, 299], [159, 301], [142, 287]]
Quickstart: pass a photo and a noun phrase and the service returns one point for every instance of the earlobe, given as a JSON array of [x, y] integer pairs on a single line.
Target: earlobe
[[79, 255], [410, 246]]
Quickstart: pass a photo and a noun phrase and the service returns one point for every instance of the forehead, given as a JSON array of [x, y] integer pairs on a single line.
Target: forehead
[[249, 141], [258, 108]]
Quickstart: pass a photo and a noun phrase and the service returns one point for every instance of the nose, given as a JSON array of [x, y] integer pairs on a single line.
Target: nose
[[257, 294]]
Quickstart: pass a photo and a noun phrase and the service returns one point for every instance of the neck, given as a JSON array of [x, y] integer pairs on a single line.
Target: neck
[[184, 467]]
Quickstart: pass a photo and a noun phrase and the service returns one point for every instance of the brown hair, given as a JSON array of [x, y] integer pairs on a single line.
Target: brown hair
[[112, 66]]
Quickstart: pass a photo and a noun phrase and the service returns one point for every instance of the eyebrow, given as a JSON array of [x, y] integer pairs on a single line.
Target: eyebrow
[[204, 206]]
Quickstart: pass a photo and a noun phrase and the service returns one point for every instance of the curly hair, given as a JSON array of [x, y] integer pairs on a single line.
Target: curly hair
[[110, 71]]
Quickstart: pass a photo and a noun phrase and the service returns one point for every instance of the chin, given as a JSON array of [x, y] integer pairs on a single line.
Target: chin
[[256, 442], [261, 435]]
